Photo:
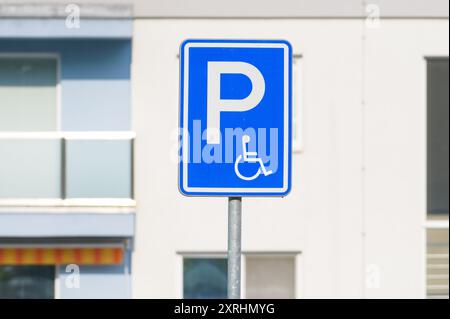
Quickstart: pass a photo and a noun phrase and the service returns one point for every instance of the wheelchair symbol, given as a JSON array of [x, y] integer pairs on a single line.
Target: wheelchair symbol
[[249, 157]]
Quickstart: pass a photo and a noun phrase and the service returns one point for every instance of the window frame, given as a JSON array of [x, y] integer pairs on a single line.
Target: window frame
[[427, 223], [296, 255]]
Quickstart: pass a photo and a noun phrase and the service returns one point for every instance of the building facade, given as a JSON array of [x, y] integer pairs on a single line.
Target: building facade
[[89, 203], [66, 171]]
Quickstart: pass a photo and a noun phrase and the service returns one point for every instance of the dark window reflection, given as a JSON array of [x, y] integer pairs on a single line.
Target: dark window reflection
[[205, 278], [438, 134], [27, 282]]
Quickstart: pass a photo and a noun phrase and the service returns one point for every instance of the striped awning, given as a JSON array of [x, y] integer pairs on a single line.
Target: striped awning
[[61, 256]]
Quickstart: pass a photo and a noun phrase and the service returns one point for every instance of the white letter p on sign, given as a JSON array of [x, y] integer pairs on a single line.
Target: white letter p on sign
[[216, 105]]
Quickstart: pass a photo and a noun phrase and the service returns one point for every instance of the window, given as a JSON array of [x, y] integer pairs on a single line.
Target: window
[[28, 103], [97, 269], [28, 94], [437, 263], [266, 276], [98, 168], [204, 278], [438, 138], [437, 178], [270, 277], [30, 168], [27, 282], [39, 162]]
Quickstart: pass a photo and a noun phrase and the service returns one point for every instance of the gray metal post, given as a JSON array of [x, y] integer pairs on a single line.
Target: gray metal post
[[234, 247]]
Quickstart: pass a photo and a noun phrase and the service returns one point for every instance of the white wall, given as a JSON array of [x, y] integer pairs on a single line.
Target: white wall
[[333, 202], [395, 150]]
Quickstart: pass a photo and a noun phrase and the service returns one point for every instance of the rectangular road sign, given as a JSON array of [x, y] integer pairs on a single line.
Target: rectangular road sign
[[235, 118]]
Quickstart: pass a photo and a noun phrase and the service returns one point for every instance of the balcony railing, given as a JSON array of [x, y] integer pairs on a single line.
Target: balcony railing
[[66, 168]]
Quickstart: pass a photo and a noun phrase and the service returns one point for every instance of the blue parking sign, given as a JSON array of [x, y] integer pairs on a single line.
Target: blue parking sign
[[235, 118]]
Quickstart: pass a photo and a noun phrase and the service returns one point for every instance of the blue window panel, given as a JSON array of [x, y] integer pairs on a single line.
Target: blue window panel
[[98, 169], [96, 282], [96, 105], [94, 80], [205, 278]]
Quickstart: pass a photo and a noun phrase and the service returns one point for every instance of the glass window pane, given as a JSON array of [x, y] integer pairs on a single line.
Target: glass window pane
[[98, 168], [437, 263], [30, 168], [27, 282], [438, 137], [270, 277], [28, 94], [205, 278]]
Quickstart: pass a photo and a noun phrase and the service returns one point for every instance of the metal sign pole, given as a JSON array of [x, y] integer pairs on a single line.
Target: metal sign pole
[[234, 247]]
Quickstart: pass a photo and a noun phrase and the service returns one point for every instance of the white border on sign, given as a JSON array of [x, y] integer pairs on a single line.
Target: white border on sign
[[286, 116]]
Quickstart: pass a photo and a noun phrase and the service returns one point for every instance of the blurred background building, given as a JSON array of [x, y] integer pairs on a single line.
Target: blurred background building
[[89, 204]]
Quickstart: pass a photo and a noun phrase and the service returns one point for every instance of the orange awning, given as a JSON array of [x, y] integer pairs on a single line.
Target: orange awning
[[61, 256]]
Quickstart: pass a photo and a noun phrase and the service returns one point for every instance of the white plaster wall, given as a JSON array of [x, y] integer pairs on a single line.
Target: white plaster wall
[[333, 202], [395, 151]]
